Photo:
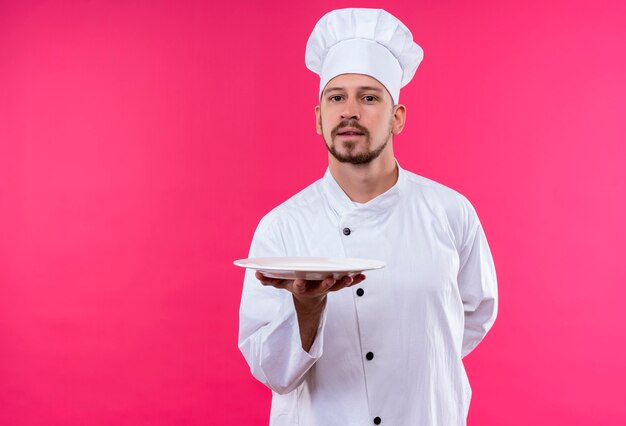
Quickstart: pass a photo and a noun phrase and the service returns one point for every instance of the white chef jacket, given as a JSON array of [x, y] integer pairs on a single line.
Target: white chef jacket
[[429, 307]]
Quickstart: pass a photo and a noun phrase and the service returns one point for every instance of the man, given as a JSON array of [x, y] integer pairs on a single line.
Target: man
[[386, 350]]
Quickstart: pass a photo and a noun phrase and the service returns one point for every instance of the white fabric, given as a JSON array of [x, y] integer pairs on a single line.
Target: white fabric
[[363, 41], [360, 56], [429, 307]]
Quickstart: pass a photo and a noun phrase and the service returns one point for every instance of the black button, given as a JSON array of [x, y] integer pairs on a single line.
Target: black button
[[370, 356], [346, 231], [377, 420], [360, 292]]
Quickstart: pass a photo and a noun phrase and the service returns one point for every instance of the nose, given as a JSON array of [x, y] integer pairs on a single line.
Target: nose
[[350, 110]]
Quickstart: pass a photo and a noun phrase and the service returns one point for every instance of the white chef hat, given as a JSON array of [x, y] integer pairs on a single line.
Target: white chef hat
[[363, 41]]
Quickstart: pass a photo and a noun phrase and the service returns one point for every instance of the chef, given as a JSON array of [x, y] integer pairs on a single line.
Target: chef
[[386, 349]]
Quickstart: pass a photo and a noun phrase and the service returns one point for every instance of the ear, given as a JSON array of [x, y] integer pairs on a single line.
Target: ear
[[318, 120], [399, 118]]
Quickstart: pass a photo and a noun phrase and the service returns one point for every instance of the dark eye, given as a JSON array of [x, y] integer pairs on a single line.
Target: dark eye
[[335, 98], [369, 98]]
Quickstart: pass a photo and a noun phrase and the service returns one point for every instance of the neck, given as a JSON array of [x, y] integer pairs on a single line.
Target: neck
[[364, 182]]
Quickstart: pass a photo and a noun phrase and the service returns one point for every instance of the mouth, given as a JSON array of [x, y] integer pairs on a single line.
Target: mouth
[[350, 132]]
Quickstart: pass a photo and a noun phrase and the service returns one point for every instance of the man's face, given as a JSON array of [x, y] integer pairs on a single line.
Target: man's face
[[357, 118]]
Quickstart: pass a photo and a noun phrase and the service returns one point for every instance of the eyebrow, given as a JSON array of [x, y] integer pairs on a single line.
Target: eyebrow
[[361, 88]]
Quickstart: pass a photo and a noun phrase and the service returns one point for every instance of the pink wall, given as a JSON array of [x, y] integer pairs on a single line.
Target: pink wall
[[140, 143]]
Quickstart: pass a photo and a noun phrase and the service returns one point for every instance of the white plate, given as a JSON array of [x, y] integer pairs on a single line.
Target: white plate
[[309, 268]]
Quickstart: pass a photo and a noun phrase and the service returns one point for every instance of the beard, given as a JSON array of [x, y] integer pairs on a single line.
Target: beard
[[349, 155]]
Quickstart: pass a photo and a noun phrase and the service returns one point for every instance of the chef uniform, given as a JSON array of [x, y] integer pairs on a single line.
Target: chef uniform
[[388, 350]]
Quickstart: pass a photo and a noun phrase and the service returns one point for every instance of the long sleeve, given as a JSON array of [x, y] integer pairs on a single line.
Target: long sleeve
[[269, 337], [478, 287]]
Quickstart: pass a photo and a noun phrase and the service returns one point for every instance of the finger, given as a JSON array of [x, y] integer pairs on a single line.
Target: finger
[[259, 276], [347, 281], [327, 284], [343, 282], [274, 282], [359, 278], [281, 284], [298, 286]]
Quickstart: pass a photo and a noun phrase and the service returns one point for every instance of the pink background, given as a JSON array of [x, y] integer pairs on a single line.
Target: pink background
[[141, 142]]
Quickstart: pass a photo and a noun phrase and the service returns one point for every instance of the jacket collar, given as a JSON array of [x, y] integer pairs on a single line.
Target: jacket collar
[[341, 204]]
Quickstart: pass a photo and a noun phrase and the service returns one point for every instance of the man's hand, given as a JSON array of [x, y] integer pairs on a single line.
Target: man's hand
[[307, 291], [309, 298]]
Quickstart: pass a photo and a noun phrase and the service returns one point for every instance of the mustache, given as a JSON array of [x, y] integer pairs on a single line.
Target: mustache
[[349, 123]]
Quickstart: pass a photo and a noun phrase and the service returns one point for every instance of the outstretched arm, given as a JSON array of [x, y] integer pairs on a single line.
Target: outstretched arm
[[309, 299]]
